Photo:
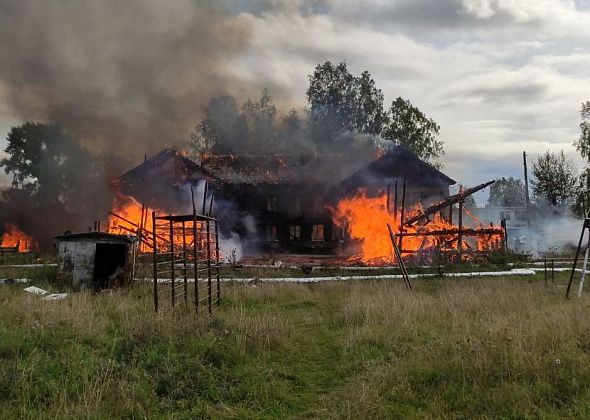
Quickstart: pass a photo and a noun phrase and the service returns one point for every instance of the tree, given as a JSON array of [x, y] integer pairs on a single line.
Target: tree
[[507, 192], [226, 129], [339, 101], [222, 128], [260, 118], [410, 128], [554, 178], [56, 183], [581, 205], [293, 133], [582, 194], [583, 142]]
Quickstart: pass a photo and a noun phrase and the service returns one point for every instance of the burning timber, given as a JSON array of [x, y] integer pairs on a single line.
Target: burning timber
[[275, 203], [446, 202], [15, 241], [306, 204]]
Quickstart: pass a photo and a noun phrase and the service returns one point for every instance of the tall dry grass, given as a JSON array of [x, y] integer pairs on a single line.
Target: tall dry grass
[[489, 347]]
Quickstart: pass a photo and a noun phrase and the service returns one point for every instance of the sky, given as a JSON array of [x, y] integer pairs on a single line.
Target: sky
[[498, 76]]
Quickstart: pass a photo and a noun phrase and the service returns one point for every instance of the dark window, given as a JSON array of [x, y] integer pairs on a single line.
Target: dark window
[[272, 233], [317, 233], [272, 204], [295, 232], [317, 205]]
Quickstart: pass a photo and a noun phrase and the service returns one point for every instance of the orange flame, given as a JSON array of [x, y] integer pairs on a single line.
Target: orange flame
[[365, 220], [136, 219], [14, 237], [131, 214]]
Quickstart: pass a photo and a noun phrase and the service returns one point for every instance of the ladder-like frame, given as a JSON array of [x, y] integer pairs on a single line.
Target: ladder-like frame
[[183, 245]]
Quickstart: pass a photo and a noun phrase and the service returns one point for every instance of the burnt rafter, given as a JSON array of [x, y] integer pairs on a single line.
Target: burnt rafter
[[169, 166], [464, 232], [446, 202]]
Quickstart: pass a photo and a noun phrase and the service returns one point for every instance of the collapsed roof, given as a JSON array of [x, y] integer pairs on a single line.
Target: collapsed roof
[[176, 169], [398, 163], [169, 167]]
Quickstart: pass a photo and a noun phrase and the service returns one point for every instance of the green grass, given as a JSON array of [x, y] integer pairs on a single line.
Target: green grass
[[456, 348]]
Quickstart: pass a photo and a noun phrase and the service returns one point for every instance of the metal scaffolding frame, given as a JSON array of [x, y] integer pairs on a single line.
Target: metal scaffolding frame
[[185, 249]]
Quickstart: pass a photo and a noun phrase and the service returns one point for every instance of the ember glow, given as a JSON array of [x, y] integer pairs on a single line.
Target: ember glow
[[131, 216], [365, 220], [128, 216], [14, 237]]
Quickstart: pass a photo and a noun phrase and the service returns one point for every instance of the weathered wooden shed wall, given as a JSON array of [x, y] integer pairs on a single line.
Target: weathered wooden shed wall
[[75, 261], [79, 262]]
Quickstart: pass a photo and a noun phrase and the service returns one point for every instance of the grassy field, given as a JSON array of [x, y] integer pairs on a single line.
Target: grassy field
[[456, 348]]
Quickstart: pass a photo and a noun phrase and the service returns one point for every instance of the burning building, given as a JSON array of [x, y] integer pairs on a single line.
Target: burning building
[[299, 203], [14, 240]]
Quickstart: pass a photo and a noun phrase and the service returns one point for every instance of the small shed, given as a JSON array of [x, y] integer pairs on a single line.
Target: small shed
[[95, 260]]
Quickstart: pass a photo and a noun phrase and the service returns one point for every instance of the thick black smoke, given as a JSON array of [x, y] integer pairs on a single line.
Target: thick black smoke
[[131, 75]]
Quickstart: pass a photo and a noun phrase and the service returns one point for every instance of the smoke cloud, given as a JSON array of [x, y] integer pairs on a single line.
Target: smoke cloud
[[130, 75]]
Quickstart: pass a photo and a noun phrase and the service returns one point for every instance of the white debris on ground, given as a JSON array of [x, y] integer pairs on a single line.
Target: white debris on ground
[[35, 290], [42, 292], [556, 269], [513, 272]]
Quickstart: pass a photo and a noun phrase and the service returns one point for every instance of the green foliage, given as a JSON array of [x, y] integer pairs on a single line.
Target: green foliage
[[482, 347], [339, 101], [53, 176], [554, 179], [583, 142], [410, 128], [581, 205], [345, 115], [226, 129], [223, 128], [507, 192]]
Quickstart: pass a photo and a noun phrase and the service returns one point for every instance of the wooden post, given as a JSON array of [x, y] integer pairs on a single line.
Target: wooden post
[[460, 237], [398, 256], [569, 285], [217, 263], [173, 275], [184, 258], [395, 201], [208, 241], [155, 246], [211, 204], [204, 198], [388, 197], [584, 266], [195, 259], [401, 223]]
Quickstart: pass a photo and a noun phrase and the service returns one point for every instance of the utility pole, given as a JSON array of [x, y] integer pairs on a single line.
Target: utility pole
[[526, 190], [526, 180]]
